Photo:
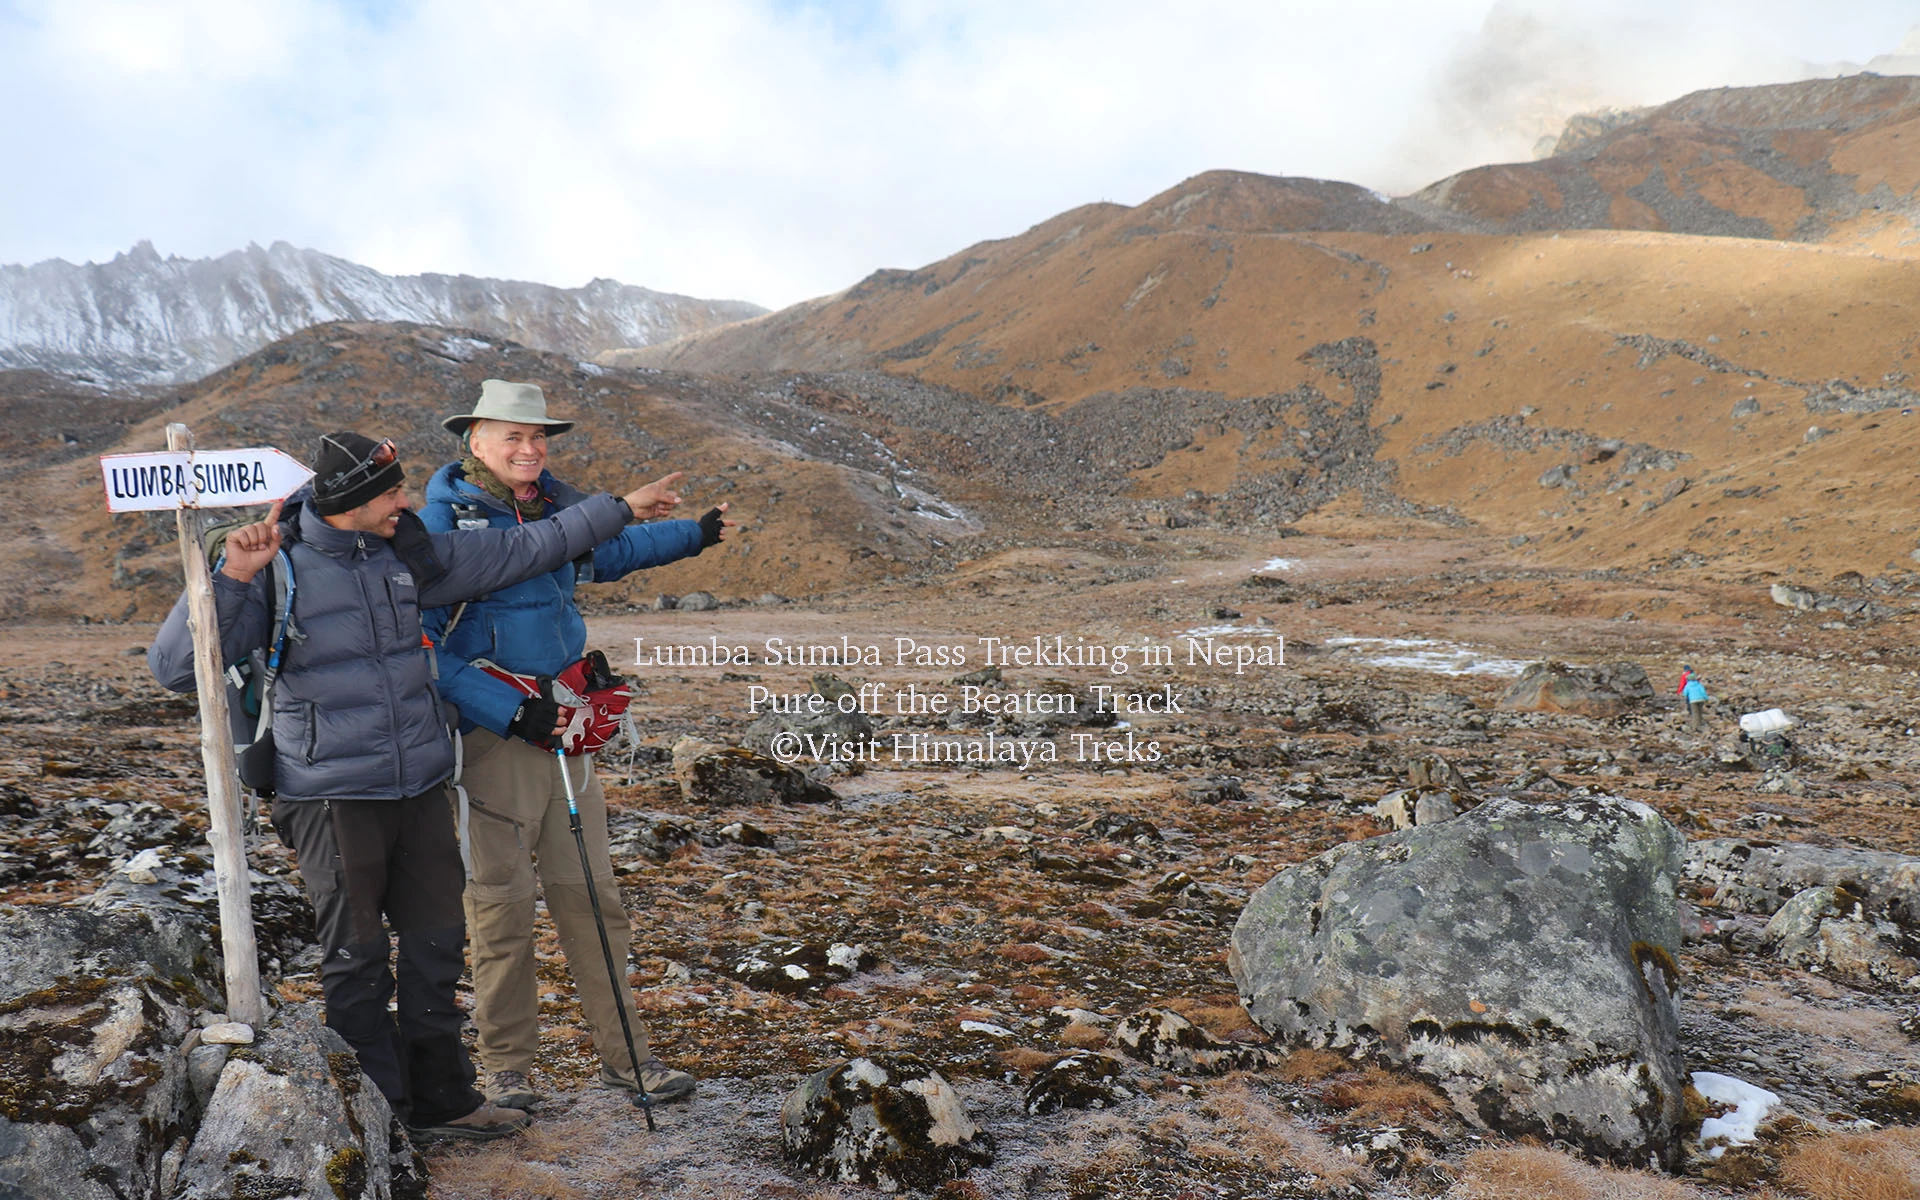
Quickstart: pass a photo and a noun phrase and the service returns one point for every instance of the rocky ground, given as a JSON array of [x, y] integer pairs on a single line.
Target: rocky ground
[[1011, 912]]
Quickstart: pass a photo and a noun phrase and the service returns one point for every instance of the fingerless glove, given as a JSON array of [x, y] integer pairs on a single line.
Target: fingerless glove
[[534, 720], [710, 528]]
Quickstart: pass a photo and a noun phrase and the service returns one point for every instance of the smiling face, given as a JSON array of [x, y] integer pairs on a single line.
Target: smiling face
[[515, 453], [379, 516]]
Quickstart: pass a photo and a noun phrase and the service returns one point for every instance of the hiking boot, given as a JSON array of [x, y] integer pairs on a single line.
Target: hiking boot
[[483, 1124], [510, 1089], [663, 1082]]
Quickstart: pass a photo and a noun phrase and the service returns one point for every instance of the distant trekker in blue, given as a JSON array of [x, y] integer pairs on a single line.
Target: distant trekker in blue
[[1694, 693]]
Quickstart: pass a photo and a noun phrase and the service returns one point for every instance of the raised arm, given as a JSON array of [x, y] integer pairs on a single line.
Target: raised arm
[[479, 561], [658, 543]]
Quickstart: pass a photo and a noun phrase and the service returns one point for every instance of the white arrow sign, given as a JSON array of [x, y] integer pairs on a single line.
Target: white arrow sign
[[202, 479]]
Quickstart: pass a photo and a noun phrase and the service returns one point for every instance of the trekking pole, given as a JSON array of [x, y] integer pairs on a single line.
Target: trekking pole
[[641, 1100]]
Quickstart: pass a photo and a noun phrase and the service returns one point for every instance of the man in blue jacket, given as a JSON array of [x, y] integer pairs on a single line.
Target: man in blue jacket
[[361, 752], [518, 827]]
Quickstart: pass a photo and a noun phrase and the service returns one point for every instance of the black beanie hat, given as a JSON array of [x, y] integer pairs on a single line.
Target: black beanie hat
[[337, 485]]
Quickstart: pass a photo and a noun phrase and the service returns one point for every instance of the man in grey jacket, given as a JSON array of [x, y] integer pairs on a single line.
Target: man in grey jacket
[[362, 753]]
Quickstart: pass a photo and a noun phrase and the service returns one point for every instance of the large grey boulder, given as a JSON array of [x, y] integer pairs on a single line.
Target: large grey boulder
[[831, 735], [888, 1121], [293, 1115], [1826, 929], [1758, 877], [1520, 955], [91, 1079], [1600, 690], [730, 776], [95, 1000], [46, 946]]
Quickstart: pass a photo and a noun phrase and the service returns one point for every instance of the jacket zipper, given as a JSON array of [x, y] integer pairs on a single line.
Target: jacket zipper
[[393, 724]]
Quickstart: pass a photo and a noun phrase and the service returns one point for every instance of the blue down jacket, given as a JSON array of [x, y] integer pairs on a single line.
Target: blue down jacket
[[355, 714], [532, 628]]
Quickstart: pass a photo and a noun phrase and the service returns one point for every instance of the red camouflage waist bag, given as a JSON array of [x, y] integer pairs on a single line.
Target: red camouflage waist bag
[[593, 700]]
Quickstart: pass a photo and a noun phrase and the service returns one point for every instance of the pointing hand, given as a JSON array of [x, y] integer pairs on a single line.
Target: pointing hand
[[657, 499], [251, 547]]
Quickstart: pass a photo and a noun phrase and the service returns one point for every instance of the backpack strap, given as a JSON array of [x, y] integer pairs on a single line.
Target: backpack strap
[[280, 587], [466, 515]]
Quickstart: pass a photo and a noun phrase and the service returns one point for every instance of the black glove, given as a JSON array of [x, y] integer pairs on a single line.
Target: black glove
[[710, 528], [534, 720]]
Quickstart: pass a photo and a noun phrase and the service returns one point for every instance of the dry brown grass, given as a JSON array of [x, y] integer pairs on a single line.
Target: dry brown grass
[[1311, 1066], [1882, 1165], [1274, 1139], [1377, 1096], [502, 1177], [1083, 1037], [1220, 1016], [1024, 1059], [1534, 1173]]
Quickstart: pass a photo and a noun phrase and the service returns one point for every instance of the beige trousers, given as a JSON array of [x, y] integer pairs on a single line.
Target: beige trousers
[[518, 826]]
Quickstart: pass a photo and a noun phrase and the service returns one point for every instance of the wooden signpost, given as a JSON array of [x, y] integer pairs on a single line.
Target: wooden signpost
[[185, 480]]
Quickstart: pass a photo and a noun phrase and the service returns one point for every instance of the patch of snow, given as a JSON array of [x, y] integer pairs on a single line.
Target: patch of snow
[[148, 858], [1274, 564], [928, 505], [463, 348], [1207, 631], [141, 867], [1427, 654], [1737, 1128], [144, 318]]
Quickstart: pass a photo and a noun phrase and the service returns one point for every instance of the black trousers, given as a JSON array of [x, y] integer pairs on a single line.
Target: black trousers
[[370, 865]]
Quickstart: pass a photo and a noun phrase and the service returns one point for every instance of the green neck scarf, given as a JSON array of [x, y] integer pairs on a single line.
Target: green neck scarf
[[482, 477]]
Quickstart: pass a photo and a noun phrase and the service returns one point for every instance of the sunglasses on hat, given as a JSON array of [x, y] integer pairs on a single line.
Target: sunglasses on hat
[[378, 459]]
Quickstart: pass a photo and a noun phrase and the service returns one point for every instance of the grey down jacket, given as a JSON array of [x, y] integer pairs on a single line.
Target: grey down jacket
[[355, 712]]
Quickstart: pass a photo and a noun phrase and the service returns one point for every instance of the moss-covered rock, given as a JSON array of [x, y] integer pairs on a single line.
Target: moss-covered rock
[[92, 1081], [293, 1108], [889, 1122], [1520, 955]]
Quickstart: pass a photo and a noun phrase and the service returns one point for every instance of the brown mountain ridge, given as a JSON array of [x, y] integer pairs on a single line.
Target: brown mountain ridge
[[1617, 396]]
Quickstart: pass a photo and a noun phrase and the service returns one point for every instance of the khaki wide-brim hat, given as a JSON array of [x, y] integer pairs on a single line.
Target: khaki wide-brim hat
[[521, 403]]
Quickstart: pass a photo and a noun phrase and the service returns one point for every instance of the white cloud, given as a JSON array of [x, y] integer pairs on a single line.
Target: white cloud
[[773, 149]]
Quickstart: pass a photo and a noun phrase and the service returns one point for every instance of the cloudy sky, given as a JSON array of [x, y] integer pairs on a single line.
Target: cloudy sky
[[772, 150]]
